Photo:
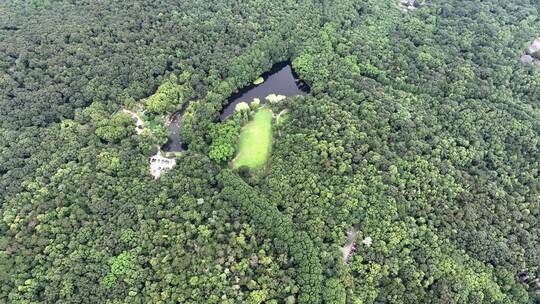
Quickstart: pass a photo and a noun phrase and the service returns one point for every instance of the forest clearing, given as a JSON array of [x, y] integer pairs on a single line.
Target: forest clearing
[[255, 141]]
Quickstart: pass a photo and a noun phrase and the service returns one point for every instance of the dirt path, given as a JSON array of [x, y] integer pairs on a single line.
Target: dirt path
[[139, 126], [279, 114], [350, 246]]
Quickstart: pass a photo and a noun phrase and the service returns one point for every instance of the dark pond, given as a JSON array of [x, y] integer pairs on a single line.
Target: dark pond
[[280, 80], [173, 143]]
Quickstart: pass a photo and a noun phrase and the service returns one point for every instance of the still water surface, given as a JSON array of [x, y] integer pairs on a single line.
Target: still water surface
[[280, 80]]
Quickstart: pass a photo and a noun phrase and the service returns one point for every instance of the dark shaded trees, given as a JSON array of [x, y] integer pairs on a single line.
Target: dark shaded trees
[[421, 132]]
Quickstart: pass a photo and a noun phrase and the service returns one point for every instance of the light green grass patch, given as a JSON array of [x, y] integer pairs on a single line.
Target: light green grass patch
[[255, 141], [258, 81]]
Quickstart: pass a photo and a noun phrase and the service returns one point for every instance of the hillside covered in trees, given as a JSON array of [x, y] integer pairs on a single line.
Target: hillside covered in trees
[[409, 173]]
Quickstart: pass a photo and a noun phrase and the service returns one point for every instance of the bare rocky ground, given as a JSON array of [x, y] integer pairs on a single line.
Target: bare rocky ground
[[159, 164], [534, 47], [350, 246], [410, 5]]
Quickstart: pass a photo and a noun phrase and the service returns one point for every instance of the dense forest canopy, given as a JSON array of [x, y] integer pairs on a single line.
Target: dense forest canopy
[[417, 149]]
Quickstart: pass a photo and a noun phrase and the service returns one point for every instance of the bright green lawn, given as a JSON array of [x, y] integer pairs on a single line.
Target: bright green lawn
[[255, 141]]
